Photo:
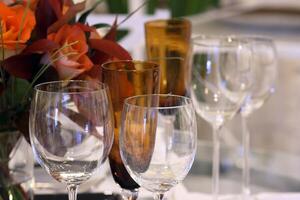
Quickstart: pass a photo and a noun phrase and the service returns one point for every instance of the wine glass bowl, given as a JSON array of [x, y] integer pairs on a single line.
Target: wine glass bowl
[[220, 80], [264, 64], [158, 141], [265, 72], [71, 129]]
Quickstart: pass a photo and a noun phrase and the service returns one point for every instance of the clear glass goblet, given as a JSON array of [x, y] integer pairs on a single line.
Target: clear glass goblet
[[158, 140], [220, 80], [264, 62], [71, 129]]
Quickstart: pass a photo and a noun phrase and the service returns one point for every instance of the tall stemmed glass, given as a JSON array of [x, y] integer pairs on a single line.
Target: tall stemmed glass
[[158, 140], [221, 78], [265, 73], [71, 129], [127, 78]]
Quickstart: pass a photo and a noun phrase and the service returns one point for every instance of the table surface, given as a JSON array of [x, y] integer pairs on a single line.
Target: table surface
[[266, 183]]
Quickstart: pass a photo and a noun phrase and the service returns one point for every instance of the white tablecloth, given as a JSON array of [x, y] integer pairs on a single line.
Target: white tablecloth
[[179, 192]]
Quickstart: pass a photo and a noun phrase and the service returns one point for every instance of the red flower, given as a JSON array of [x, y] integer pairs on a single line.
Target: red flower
[[71, 59]]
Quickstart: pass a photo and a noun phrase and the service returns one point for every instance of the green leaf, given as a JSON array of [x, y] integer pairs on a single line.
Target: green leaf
[[215, 3], [190, 7], [20, 88], [101, 25], [16, 89], [9, 109], [196, 6], [117, 6], [17, 193], [83, 17], [152, 4], [177, 8], [121, 33], [5, 120]]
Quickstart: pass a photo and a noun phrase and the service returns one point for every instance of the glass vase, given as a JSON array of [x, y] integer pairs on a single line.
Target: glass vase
[[16, 167]]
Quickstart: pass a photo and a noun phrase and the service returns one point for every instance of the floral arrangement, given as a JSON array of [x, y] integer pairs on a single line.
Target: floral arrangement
[[44, 40]]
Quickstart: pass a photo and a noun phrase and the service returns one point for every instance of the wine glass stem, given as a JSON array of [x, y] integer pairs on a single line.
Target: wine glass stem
[[72, 190], [246, 149], [216, 162], [130, 194], [158, 196]]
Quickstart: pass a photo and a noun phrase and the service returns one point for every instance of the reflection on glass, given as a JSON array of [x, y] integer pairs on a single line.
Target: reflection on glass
[[158, 143], [71, 129]]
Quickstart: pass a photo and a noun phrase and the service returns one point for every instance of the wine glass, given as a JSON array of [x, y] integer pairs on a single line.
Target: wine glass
[[71, 129], [127, 78], [220, 80], [158, 140], [265, 69]]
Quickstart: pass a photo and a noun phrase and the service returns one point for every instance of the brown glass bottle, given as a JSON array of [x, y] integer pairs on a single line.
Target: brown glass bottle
[[125, 79], [120, 173], [168, 44]]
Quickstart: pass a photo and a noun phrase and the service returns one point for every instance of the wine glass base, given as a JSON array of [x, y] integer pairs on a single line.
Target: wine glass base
[[237, 197], [129, 194]]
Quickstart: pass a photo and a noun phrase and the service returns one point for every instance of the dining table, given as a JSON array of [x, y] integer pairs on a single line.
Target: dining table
[[274, 128]]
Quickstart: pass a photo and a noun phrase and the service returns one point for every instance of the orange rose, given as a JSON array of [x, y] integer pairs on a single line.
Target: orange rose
[[72, 58], [12, 27]]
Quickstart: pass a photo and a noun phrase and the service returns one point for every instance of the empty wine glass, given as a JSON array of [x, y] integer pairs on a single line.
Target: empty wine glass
[[71, 129], [158, 140], [221, 78], [265, 69]]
